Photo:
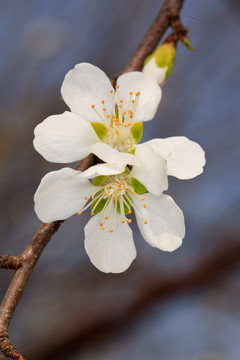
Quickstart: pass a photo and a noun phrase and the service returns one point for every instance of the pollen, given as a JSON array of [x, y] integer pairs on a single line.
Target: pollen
[[85, 198], [132, 191], [79, 212], [92, 106], [106, 193], [129, 211], [108, 116], [129, 221], [102, 101], [143, 198], [94, 199], [104, 109], [145, 222], [125, 188], [106, 217], [122, 221], [107, 187], [102, 227], [111, 125], [137, 93], [100, 224], [92, 213], [117, 86], [144, 205], [111, 91], [130, 93], [110, 230], [121, 101], [133, 101]]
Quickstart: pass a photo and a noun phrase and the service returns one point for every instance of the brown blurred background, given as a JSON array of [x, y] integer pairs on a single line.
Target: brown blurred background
[[69, 309]]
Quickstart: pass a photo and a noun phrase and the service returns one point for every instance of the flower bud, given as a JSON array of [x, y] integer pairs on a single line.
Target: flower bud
[[160, 63]]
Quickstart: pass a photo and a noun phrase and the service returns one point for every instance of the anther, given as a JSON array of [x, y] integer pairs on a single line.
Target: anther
[[79, 212], [144, 205], [132, 191], [125, 125], [121, 101], [120, 106], [85, 198], [129, 211], [111, 91], [106, 193], [129, 221], [116, 198], [106, 217], [122, 221], [111, 125], [130, 93], [102, 101], [92, 213], [133, 101], [104, 109], [125, 188], [92, 106], [110, 230], [143, 198], [129, 124], [102, 227], [117, 86], [108, 116], [112, 135], [145, 222], [116, 132], [100, 224], [94, 199], [108, 129], [107, 187], [137, 93]]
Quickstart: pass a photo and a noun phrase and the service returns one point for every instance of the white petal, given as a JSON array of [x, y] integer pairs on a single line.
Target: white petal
[[64, 138], [150, 93], [165, 228], [109, 251], [102, 169], [153, 170], [112, 156], [185, 158], [61, 194], [84, 86], [159, 73]]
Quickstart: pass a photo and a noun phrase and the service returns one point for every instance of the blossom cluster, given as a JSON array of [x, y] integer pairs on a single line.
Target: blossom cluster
[[130, 177]]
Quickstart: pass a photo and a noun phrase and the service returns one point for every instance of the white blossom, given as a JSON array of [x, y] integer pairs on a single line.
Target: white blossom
[[104, 121]]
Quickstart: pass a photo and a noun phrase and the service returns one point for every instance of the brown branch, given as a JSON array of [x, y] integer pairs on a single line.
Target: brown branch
[[25, 262], [168, 11]]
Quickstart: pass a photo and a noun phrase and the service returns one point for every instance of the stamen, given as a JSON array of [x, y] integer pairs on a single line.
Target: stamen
[[129, 211], [106, 217], [85, 198], [117, 86], [132, 191], [122, 221], [101, 224], [143, 198], [92, 213], [129, 221], [79, 212], [106, 193], [144, 205], [145, 221], [110, 230], [111, 91], [102, 227], [102, 101]]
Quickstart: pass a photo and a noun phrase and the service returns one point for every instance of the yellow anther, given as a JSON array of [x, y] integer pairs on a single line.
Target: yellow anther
[[108, 116], [112, 135], [145, 221], [111, 126], [111, 91], [130, 93], [132, 191], [129, 211], [125, 125], [102, 101], [121, 101], [93, 106], [94, 199], [106, 193], [116, 132], [129, 221], [124, 113], [92, 213], [122, 221], [120, 183], [133, 101], [129, 124], [143, 198], [107, 187], [85, 198], [102, 227], [104, 109], [131, 116], [117, 86], [79, 212], [137, 93], [144, 205], [110, 230], [116, 198], [108, 129], [106, 217], [120, 106], [125, 187], [129, 111], [100, 224]]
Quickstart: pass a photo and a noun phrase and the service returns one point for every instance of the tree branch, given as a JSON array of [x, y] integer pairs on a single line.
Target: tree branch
[[25, 262]]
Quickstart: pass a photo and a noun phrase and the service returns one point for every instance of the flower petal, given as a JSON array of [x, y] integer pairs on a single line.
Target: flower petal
[[61, 194], [150, 93], [112, 156], [102, 169], [165, 228], [109, 251], [185, 158], [84, 86], [64, 138], [153, 170]]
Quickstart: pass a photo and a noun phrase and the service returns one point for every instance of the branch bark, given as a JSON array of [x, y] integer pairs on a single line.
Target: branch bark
[[24, 263]]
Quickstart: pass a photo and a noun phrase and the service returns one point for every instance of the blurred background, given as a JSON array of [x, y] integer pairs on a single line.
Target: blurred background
[[168, 306]]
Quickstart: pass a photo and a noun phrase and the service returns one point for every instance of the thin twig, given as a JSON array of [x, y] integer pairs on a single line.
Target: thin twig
[[25, 262]]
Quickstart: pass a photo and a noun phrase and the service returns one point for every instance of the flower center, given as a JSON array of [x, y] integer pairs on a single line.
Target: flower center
[[115, 194], [119, 125]]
